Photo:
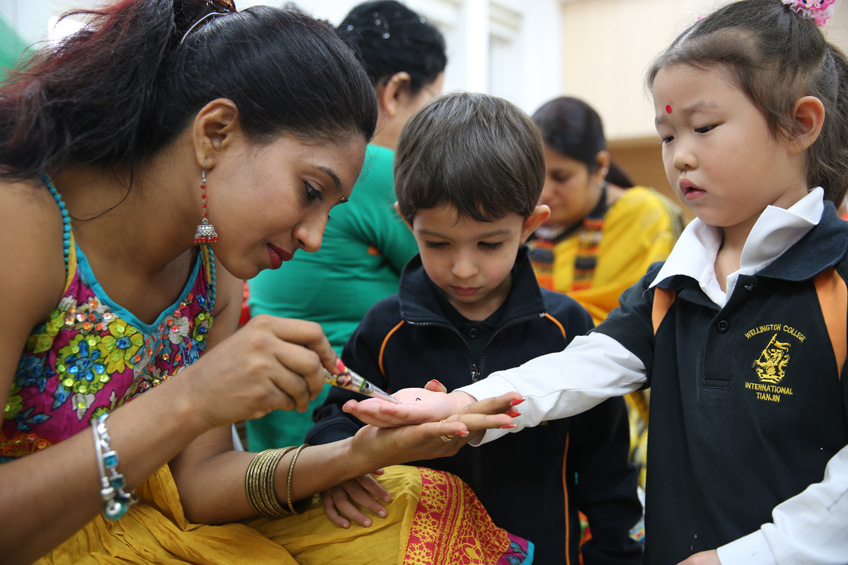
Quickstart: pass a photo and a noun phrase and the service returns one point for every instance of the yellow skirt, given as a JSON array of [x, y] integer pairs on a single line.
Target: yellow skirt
[[434, 519]]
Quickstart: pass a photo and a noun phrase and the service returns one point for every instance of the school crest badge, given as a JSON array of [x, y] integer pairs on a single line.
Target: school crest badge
[[771, 365]]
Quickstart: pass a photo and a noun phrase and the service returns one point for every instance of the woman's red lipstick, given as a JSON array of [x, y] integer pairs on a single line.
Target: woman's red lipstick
[[277, 256]]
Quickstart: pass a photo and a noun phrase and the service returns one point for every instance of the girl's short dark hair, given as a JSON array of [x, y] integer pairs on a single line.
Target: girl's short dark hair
[[390, 38], [123, 87], [776, 56], [478, 153]]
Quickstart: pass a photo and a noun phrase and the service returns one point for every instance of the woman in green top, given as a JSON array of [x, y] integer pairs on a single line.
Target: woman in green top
[[365, 244]]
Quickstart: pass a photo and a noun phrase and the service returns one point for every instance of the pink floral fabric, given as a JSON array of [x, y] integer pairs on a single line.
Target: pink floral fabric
[[91, 356]]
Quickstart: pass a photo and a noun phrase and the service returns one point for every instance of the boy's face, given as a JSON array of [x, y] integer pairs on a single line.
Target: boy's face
[[471, 261]]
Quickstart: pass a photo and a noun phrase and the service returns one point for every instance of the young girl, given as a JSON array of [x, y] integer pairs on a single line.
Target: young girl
[[163, 130], [741, 332]]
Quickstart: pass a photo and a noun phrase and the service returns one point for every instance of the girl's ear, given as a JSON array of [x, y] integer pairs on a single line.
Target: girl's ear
[[215, 127], [534, 220], [808, 118]]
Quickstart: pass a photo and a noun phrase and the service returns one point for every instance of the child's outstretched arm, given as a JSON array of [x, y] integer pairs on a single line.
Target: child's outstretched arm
[[591, 369]]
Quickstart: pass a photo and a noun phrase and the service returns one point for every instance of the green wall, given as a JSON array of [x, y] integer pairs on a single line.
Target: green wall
[[11, 47]]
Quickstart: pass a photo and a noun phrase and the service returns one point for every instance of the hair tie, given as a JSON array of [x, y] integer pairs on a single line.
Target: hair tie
[[209, 9], [819, 10]]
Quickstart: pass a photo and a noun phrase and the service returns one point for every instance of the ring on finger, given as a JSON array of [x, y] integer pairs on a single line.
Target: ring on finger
[[446, 438]]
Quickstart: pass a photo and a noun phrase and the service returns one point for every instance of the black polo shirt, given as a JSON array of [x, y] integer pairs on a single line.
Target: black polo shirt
[[746, 407]]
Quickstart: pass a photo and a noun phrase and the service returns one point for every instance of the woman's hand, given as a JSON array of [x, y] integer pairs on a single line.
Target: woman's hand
[[270, 363], [395, 445], [418, 405]]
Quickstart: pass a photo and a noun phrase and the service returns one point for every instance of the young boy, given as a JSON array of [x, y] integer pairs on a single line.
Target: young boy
[[468, 173]]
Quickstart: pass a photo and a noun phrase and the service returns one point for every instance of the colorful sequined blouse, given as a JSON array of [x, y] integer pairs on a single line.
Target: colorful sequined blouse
[[91, 355]]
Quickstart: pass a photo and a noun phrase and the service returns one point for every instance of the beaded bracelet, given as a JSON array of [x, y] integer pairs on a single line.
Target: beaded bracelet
[[259, 483], [288, 483], [116, 502]]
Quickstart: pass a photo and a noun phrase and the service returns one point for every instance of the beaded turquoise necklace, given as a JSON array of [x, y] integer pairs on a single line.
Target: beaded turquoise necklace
[[66, 219], [66, 237]]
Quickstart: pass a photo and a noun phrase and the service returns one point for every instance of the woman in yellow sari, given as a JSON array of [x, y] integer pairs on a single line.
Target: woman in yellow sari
[[149, 164]]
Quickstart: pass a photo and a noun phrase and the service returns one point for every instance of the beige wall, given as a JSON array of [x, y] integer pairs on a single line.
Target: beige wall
[[607, 46]]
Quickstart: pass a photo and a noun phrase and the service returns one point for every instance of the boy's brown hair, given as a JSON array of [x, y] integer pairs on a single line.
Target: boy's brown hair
[[478, 153]]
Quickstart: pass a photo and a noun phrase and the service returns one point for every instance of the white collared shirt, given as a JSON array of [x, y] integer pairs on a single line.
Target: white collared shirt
[[776, 230], [810, 528]]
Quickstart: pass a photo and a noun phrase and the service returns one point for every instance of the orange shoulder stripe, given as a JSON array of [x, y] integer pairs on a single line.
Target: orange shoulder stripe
[[663, 299], [833, 298], [383, 346], [554, 320]]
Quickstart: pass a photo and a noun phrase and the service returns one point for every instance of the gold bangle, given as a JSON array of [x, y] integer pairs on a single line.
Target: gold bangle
[[267, 497], [289, 479], [256, 491], [269, 476], [259, 483], [254, 484]]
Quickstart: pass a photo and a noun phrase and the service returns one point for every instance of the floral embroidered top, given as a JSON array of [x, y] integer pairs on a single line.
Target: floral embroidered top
[[91, 355]]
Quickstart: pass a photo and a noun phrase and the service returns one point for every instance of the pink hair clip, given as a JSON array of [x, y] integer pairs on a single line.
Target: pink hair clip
[[819, 10]]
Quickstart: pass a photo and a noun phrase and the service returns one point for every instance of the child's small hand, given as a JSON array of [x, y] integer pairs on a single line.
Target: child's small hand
[[340, 502], [391, 445]]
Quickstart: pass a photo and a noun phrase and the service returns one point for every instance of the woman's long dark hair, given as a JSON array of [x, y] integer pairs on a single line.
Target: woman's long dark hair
[[122, 88]]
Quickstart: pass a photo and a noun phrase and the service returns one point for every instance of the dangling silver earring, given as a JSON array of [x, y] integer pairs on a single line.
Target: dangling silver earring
[[205, 231]]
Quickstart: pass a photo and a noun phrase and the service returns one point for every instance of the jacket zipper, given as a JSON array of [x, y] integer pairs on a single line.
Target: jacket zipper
[[476, 371], [476, 457]]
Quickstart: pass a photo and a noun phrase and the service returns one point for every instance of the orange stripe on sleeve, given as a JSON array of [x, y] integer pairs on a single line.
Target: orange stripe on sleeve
[[565, 499]]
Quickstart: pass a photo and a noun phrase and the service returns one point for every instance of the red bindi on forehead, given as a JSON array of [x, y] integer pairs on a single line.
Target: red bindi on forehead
[[668, 108]]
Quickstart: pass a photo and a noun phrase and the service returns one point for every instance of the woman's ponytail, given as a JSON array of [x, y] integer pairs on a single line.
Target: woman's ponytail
[[81, 100]]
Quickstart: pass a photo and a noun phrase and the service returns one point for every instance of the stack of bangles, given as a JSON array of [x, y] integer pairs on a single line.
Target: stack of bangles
[[259, 483], [116, 502]]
